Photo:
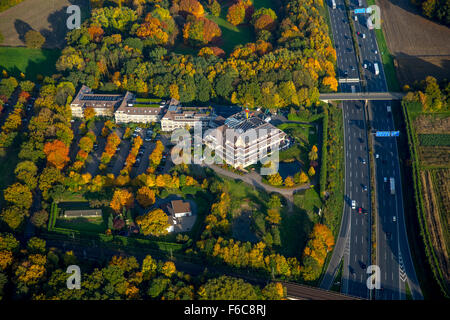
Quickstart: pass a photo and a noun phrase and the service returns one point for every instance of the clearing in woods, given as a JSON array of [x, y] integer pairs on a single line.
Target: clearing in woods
[[420, 47], [46, 16]]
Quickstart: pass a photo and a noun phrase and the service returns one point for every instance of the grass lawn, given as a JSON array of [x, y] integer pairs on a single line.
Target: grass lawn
[[265, 4], [294, 230], [29, 61], [96, 225], [305, 137], [232, 35], [146, 100]]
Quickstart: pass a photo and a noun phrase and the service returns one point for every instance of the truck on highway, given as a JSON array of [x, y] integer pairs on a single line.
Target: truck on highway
[[369, 24], [333, 3], [375, 66], [392, 183]]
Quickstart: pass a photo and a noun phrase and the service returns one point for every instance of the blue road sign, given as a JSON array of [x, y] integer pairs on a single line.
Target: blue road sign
[[362, 10], [387, 133]]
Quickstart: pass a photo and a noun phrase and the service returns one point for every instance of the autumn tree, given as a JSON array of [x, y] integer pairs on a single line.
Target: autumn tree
[[311, 171], [236, 13], [192, 7], [264, 19], [57, 153], [40, 218], [89, 113], [122, 198], [321, 241], [34, 39], [275, 179], [145, 196], [312, 155], [289, 182], [200, 31], [19, 195], [154, 222], [26, 172], [13, 216]]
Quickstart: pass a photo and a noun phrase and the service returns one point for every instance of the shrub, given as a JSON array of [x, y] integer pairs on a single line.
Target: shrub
[[34, 39]]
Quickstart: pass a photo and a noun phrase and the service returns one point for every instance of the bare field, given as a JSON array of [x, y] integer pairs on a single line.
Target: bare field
[[435, 225], [420, 46], [438, 157], [431, 124], [46, 16]]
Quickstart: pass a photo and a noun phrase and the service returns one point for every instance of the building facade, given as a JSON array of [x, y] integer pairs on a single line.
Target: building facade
[[186, 117], [245, 139]]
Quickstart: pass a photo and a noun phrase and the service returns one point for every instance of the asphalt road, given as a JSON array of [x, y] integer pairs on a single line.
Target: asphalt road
[[393, 252], [353, 243]]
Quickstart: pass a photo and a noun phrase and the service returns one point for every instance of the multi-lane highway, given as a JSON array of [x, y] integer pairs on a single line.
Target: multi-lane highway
[[354, 240], [357, 200]]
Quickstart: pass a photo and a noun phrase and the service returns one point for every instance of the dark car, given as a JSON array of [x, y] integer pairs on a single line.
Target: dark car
[[363, 266]]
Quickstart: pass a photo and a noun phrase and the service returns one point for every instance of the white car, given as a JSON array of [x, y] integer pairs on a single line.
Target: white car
[[356, 18], [365, 66], [364, 35], [377, 155], [394, 219], [353, 204]]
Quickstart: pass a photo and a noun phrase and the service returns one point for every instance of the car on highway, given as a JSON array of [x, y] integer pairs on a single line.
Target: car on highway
[[356, 18], [385, 179], [363, 161], [364, 188], [394, 219], [363, 265], [360, 211], [363, 35], [377, 155], [353, 204], [365, 66]]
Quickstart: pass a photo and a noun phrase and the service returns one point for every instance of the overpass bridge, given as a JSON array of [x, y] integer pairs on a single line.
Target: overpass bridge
[[361, 96]]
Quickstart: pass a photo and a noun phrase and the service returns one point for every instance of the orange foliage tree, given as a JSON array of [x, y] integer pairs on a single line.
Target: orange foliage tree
[[122, 198], [57, 153], [191, 7]]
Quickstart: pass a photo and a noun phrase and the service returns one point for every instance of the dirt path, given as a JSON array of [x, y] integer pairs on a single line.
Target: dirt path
[[434, 224]]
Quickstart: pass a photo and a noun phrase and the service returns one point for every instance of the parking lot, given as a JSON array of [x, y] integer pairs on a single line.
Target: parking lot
[[117, 162]]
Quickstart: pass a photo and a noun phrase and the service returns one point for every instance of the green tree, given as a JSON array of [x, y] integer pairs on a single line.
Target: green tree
[[227, 288]]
